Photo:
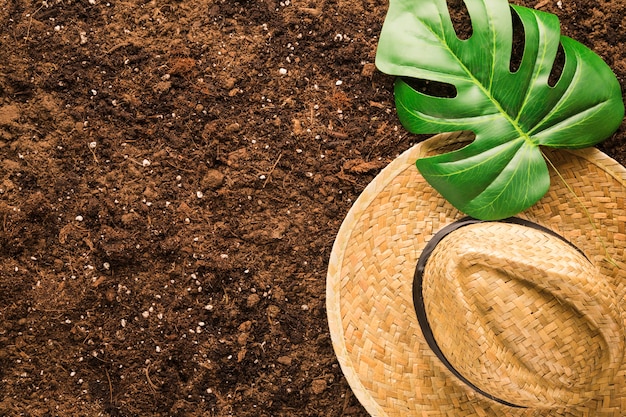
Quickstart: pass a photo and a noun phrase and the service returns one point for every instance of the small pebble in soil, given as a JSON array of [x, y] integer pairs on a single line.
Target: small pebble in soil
[[253, 299], [284, 360], [282, 71], [318, 386], [212, 179], [79, 218]]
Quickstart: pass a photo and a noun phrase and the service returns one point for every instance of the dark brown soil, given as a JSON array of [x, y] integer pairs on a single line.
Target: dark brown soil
[[169, 197]]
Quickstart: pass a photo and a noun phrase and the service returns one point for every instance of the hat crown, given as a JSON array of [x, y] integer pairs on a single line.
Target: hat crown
[[523, 315]]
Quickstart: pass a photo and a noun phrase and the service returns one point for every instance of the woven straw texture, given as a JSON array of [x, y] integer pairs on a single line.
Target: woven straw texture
[[374, 329], [513, 302]]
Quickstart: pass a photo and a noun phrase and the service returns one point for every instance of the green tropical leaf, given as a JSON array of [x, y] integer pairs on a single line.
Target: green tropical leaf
[[512, 113]]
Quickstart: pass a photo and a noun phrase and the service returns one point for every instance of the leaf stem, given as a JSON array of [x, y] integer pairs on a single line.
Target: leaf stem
[[607, 256]]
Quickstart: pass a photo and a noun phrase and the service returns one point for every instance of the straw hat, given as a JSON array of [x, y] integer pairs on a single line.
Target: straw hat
[[524, 317]]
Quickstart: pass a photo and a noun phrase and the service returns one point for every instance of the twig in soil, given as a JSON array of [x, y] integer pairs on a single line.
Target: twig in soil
[[269, 173], [154, 387], [342, 176], [118, 46], [311, 11], [338, 135], [110, 387], [30, 21], [336, 143], [315, 12], [346, 401], [95, 158]]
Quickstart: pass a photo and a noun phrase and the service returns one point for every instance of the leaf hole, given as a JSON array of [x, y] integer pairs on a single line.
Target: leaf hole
[[460, 17], [431, 88], [519, 42], [557, 67]]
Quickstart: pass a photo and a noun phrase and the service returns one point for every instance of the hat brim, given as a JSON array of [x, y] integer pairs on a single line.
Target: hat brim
[[373, 325]]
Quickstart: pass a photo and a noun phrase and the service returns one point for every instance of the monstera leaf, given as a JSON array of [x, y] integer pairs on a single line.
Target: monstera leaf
[[512, 113]]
